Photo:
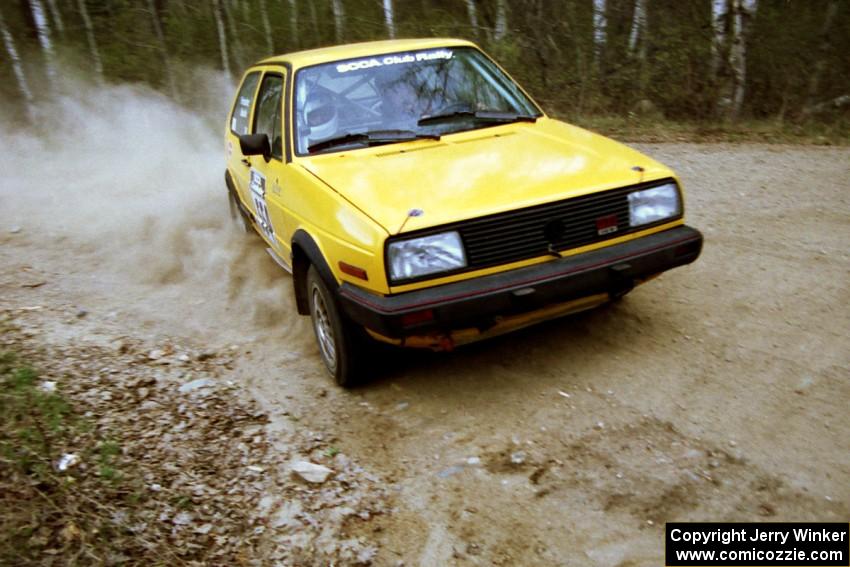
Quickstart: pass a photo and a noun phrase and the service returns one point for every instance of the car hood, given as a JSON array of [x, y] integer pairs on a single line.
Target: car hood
[[480, 172]]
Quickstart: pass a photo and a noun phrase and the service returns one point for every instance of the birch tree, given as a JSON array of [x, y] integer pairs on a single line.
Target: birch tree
[[501, 28], [600, 25], [638, 29], [17, 68], [92, 41], [638, 40], [222, 37], [293, 22], [163, 49], [238, 53], [742, 12], [339, 19], [57, 17], [389, 19], [43, 33], [472, 12], [314, 19], [719, 22], [267, 29]]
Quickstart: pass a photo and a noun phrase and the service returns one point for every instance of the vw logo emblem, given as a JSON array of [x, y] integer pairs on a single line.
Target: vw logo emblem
[[554, 230]]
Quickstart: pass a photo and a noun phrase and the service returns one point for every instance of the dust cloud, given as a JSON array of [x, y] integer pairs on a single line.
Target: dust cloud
[[132, 185]]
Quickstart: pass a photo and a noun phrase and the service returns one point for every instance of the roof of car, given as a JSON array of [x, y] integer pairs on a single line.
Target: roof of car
[[353, 50]]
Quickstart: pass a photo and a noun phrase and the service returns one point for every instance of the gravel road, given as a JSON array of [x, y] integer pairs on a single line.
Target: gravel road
[[719, 391]]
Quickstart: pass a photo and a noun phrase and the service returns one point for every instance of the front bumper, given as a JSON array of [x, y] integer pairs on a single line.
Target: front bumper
[[481, 302]]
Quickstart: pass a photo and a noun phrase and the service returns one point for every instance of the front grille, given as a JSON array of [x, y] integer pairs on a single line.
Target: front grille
[[517, 235], [526, 233]]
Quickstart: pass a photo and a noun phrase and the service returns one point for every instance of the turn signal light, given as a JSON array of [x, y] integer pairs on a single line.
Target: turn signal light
[[353, 271]]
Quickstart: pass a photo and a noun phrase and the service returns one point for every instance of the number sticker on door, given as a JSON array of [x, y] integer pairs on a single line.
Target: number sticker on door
[[258, 192]]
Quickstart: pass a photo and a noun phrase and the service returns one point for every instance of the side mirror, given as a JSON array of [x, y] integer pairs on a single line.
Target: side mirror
[[255, 145]]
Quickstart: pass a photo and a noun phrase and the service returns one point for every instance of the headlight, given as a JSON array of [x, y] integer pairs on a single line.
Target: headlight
[[427, 255], [651, 205]]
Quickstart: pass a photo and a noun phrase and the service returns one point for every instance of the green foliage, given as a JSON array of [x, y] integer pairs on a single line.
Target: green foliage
[[681, 80], [107, 452], [653, 129], [33, 420]]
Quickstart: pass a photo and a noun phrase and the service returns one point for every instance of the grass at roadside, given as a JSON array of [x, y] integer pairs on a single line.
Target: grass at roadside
[[65, 490], [655, 129]]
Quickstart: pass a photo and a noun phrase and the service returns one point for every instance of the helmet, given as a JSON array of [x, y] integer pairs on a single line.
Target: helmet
[[320, 116]]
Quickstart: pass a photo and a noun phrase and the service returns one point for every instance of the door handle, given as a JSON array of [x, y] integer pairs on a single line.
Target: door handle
[[246, 162]]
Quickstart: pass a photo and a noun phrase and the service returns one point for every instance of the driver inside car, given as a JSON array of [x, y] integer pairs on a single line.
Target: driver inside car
[[320, 116]]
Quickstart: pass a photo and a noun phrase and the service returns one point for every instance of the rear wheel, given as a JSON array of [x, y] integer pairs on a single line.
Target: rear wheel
[[340, 343]]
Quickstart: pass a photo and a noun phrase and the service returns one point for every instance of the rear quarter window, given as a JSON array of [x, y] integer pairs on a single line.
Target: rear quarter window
[[242, 107]]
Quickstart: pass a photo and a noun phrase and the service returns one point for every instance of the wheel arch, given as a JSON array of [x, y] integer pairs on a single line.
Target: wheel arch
[[305, 252]]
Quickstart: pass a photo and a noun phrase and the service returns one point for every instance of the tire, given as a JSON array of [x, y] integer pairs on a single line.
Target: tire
[[341, 345]]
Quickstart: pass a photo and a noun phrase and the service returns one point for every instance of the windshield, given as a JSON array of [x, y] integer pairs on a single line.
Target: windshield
[[334, 102]]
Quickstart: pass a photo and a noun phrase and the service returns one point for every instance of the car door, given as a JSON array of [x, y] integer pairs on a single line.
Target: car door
[[240, 123], [265, 175]]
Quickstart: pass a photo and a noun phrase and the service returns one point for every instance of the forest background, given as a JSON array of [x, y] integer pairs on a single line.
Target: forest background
[[646, 69]]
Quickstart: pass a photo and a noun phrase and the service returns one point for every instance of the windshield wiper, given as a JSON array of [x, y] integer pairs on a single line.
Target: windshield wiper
[[483, 115], [371, 138]]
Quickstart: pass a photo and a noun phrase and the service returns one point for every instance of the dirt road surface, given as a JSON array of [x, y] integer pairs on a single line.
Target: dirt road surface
[[719, 391]]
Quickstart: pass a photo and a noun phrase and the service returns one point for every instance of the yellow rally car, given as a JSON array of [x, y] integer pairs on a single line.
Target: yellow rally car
[[420, 197]]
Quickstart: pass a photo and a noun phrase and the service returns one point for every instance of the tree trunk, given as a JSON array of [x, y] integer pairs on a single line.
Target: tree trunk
[[43, 32], [315, 22], [293, 23], [823, 49], [723, 20], [267, 29], [538, 43], [57, 17], [339, 20], [163, 49], [222, 37], [600, 25], [638, 42], [17, 68], [638, 30], [744, 10], [472, 12], [501, 20], [238, 56], [95, 53], [389, 18], [720, 24]]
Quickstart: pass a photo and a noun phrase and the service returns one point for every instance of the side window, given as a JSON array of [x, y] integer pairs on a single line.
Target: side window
[[267, 117], [242, 107]]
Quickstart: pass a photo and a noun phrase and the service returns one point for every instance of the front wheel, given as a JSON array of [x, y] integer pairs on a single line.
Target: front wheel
[[339, 342]]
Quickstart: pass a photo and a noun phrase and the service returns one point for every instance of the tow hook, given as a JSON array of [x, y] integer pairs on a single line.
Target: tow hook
[[621, 282]]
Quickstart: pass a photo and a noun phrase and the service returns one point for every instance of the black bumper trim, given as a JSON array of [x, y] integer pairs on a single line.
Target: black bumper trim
[[476, 302]]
